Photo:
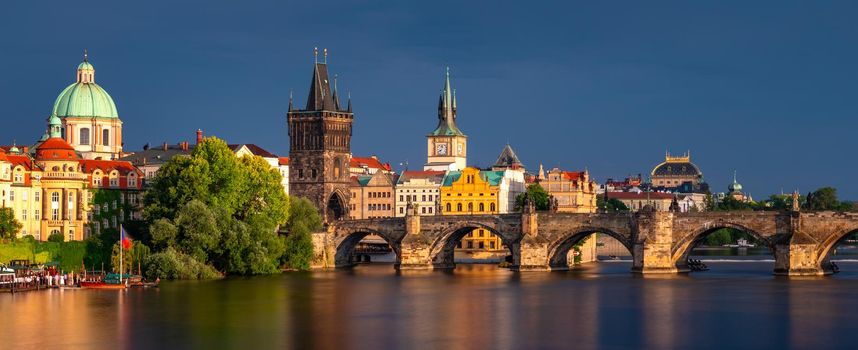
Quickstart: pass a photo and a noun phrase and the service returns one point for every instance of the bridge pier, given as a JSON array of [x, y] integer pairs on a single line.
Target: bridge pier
[[798, 260], [654, 253]]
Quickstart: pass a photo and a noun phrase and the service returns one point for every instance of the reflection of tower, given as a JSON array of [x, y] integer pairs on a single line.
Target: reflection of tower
[[320, 146]]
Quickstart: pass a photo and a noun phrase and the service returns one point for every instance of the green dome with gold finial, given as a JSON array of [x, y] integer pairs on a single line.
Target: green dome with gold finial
[[84, 98]]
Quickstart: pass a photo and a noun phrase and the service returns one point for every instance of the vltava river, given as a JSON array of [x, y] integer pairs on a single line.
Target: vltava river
[[738, 304]]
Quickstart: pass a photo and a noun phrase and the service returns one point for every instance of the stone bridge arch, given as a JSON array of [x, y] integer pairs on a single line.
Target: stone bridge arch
[[347, 236], [445, 239], [558, 248], [819, 235]]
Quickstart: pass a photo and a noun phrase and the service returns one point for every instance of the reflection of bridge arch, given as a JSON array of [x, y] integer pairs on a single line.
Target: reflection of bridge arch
[[558, 249], [441, 251], [682, 248]]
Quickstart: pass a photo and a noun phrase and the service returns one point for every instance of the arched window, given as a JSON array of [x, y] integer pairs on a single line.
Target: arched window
[[449, 207], [459, 207], [482, 207], [492, 207], [105, 137], [470, 207], [84, 136]]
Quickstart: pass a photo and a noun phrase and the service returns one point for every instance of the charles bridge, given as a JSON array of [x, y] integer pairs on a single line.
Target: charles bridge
[[659, 242]]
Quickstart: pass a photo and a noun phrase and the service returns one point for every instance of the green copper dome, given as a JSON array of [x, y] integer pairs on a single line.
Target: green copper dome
[[85, 98]]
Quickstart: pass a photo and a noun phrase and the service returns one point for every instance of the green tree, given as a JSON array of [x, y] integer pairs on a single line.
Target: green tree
[[198, 230], [537, 193], [9, 225], [731, 204], [131, 258], [163, 234], [825, 198], [304, 220], [56, 237], [610, 205]]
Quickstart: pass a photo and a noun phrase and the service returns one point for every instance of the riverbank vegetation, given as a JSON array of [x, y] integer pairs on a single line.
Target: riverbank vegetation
[[213, 212]]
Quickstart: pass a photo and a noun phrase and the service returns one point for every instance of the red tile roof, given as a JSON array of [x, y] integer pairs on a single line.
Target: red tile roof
[[573, 175], [55, 148], [21, 160], [371, 162], [3, 156], [124, 167], [641, 195]]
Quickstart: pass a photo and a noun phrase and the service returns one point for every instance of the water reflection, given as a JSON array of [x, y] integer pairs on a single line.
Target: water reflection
[[474, 306]]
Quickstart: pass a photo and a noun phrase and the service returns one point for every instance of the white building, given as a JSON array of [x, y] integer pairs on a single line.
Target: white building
[[419, 187]]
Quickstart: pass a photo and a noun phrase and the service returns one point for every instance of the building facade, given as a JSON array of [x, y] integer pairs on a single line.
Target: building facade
[[446, 146], [320, 148], [422, 188], [372, 196], [473, 192], [574, 191], [676, 171]]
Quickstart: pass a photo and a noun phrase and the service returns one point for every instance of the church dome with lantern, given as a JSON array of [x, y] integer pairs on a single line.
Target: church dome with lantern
[[84, 98]]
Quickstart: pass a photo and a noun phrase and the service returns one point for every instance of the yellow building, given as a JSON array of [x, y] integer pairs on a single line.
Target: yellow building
[[574, 191], [473, 192]]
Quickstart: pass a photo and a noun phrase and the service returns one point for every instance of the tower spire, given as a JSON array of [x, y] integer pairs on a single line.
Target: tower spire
[[315, 55], [447, 109], [335, 95], [349, 108], [85, 55], [290, 99]]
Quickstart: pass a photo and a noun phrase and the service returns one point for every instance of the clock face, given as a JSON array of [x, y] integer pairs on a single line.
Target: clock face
[[441, 149]]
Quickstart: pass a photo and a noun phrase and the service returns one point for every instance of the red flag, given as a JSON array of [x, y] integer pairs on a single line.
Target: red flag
[[124, 239]]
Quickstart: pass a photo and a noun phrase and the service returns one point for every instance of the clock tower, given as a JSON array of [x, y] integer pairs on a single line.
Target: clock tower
[[446, 146]]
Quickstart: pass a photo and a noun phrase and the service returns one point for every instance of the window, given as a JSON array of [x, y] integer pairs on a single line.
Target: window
[[449, 207], [459, 207], [114, 182], [470, 244], [470, 207], [23, 214], [55, 214], [36, 214], [132, 181], [12, 195], [37, 196], [71, 235], [492, 207], [482, 245], [84, 136], [482, 207], [96, 180], [482, 233], [24, 195], [423, 210], [401, 210], [19, 177], [105, 137], [400, 198], [492, 245]]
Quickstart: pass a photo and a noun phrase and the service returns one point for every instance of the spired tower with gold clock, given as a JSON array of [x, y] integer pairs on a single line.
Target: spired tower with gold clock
[[446, 146]]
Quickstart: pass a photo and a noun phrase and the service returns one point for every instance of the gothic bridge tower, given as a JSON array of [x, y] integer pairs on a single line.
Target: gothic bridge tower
[[320, 146]]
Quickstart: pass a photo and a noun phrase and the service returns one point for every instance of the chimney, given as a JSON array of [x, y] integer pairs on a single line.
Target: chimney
[[199, 136], [166, 147]]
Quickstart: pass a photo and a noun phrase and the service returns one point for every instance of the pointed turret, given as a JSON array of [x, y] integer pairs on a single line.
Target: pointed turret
[[320, 97], [335, 96], [541, 174], [349, 107], [447, 111], [507, 160]]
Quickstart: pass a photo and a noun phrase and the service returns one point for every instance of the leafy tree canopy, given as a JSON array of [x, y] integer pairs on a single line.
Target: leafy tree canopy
[[537, 193], [9, 226]]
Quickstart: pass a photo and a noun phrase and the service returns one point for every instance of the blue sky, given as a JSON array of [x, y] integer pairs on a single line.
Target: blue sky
[[765, 88]]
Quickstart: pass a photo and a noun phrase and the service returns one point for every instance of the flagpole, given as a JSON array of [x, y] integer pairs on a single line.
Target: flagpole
[[120, 253]]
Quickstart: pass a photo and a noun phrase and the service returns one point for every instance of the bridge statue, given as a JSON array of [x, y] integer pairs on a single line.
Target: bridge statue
[[659, 242]]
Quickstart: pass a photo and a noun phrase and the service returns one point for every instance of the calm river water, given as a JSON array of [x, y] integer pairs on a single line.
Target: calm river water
[[737, 304]]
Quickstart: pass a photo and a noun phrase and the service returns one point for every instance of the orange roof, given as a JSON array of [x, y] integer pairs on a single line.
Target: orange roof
[[54, 148], [3, 156], [90, 165], [641, 195], [370, 162], [573, 175], [21, 160], [283, 160]]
